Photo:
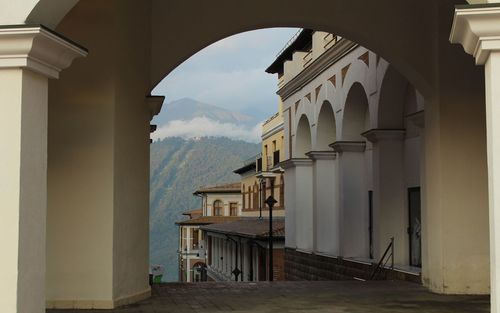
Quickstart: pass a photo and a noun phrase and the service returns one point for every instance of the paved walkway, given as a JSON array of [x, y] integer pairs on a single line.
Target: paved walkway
[[310, 297]]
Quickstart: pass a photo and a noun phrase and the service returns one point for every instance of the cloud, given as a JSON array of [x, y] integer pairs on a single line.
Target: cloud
[[206, 127], [230, 73]]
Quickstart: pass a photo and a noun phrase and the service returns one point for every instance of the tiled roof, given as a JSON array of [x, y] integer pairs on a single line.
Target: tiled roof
[[194, 213], [249, 227], [223, 188], [207, 220]]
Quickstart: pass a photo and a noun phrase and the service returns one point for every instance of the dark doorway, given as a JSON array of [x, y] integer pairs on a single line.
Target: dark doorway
[[415, 227]]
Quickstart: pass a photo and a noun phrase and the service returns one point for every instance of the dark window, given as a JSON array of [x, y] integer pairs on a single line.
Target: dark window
[[218, 208], [233, 209]]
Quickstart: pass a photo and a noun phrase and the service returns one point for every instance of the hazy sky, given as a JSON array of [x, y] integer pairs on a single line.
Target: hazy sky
[[230, 73]]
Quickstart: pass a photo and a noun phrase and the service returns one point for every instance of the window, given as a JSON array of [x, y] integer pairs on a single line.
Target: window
[[233, 209], [195, 239], [218, 208]]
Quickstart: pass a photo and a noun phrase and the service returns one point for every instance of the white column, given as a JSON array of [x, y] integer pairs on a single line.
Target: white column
[[353, 199], [478, 30], [326, 215], [301, 170], [390, 212], [29, 56]]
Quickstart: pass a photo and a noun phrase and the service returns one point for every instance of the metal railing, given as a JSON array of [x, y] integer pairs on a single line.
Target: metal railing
[[382, 264]]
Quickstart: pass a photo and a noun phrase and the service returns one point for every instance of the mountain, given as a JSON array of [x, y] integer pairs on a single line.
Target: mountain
[[187, 109], [178, 168]]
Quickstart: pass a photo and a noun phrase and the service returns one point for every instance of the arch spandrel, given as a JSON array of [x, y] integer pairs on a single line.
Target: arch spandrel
[[175, 39]]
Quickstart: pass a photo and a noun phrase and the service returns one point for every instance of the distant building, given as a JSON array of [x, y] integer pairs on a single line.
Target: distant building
[[220, 204], [262, 176], [239, 250]]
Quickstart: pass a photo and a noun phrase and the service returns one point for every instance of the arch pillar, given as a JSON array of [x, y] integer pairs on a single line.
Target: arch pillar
[[390, 216], [477, 29], [299, 203], [29, 57], [352, 199], [326, 213]]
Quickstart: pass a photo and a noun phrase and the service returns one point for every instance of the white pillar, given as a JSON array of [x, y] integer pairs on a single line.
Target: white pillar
[[29, 56], [299, 173], [478, 30], [326, 215], [353, 199], [390, 212]]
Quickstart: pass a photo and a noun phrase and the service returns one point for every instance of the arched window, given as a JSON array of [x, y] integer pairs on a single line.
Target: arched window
[[218, 208]]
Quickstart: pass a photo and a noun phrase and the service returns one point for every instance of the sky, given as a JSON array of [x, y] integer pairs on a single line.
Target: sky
[[231, 73]]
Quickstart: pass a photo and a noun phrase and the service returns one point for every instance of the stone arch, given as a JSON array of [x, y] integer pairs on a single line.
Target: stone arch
[[326, 129], [388, 39], [392, 99], [302, 138], [356, 116]]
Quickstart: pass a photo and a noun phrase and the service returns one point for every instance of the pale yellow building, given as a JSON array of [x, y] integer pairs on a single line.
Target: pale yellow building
[[262, 176]]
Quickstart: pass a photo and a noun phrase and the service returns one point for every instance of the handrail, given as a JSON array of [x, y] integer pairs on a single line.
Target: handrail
[[385, 257]]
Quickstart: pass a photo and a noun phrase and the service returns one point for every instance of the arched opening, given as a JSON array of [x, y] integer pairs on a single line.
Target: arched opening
[[303, 138], [326, 127], [356, 119], [408, 56], [218, 208]]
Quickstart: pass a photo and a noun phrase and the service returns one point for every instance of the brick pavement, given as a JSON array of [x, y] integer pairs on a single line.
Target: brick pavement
[[295, 297]]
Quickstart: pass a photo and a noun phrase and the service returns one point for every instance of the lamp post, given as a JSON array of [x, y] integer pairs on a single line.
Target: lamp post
[[270, 201]]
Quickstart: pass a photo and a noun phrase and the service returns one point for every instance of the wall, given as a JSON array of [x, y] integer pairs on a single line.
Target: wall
[[98, 198]]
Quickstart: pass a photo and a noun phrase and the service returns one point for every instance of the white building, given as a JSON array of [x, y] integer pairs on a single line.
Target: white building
[[353, 138]]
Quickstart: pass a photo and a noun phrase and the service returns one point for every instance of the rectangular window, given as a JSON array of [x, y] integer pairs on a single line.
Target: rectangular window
[[195, 239], [233, 209]]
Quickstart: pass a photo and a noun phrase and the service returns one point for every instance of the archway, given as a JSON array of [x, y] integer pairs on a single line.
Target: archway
[[113, 64], [302, 137], [326, 128], [356, 119]]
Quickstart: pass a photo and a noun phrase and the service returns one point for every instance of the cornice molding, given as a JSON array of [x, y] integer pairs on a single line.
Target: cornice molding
[[478, 30], [348, 146], [296, 162], [154, 104], [322, 155], [276, 129], [375, 135], [318, 66], [37, 49]]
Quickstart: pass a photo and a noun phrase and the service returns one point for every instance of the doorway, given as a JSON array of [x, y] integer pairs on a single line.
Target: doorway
[[415, 226]]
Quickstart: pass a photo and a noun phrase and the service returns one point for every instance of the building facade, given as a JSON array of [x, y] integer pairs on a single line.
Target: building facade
[[240, 251], [353, 137], [219, 204]]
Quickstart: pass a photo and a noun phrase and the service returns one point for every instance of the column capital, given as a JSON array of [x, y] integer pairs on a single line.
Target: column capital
[[348, 146], [476, 27], [322, 155], [38, 49], [375, 135], [296, 162], [154, 104]]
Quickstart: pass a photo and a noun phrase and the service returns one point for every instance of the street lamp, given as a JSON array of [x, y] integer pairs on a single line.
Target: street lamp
[[270, 201]]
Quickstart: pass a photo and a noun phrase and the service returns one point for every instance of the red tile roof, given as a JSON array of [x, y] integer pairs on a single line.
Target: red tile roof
[[207, 220], [222, 188], [249, 227]]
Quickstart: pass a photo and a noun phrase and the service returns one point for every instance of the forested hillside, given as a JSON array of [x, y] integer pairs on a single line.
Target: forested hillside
[[179, 167]]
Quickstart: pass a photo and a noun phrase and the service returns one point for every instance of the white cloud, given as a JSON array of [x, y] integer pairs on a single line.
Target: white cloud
[[205, 127]]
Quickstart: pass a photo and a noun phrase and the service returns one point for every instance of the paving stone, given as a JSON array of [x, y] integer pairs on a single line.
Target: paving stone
[[300, 296]]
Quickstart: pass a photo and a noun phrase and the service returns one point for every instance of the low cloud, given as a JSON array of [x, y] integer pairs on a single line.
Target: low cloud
[[206, 127]]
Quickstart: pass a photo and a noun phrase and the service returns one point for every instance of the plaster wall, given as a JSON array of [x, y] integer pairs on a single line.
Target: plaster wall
[[97, 250]]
